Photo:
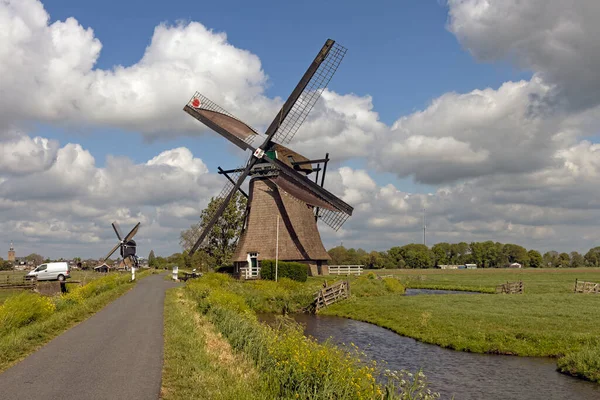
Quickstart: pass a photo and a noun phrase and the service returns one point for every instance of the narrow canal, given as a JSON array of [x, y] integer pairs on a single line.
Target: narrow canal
[[465, 375]]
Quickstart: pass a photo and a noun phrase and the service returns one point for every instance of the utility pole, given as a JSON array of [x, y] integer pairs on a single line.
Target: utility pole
[[277, 249], [424, 227]]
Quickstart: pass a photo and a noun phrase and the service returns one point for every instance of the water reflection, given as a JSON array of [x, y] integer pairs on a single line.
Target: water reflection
[[464, 375]]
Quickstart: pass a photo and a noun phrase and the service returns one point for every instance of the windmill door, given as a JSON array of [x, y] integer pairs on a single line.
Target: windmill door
[[253, 268]]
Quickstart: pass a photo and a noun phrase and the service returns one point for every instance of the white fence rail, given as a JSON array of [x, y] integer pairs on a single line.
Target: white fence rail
[[345, 269]]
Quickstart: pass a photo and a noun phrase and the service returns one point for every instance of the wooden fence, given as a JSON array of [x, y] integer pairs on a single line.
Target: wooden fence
[[510, 288], [331, 294], [345, 269], [586, 287], [43, 287], [17, 282]]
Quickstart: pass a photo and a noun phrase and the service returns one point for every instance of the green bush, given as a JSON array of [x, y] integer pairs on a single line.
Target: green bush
[[285, 269], [366, 286], [393, 285]]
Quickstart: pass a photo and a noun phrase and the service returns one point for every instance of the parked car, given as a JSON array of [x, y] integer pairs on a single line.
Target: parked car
[[50, 272]]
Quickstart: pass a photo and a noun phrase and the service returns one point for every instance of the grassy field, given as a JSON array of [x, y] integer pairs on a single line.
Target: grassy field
[[547, 320], [536, 281]]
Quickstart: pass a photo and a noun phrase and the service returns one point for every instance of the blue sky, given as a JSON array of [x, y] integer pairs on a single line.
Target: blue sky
[[506, 138], [400, 53]]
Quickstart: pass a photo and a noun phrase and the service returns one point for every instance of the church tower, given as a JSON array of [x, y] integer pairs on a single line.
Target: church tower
[[11, 253]]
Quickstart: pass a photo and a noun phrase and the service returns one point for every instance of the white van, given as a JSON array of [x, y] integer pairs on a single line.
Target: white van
[[50, 272]]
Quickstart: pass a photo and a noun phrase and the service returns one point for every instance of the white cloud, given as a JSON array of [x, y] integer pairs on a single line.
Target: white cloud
[[481, 133], [346, 124], [554, 38], [53, 78], [536, 211], [23, 155], [74, 201]]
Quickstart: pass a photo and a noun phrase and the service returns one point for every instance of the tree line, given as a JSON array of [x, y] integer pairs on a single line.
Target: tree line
[[487, 254]]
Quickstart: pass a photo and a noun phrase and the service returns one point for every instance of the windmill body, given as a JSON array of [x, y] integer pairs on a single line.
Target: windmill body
[[298, 239], [126, 245], [280, 188]]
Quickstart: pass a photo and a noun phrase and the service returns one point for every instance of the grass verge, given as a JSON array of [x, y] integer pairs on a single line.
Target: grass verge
[[198, 362]]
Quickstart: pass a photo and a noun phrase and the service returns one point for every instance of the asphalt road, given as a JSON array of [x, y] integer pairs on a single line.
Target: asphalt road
[[115, 354]]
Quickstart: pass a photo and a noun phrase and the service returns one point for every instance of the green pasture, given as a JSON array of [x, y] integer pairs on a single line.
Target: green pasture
[[535, 280]]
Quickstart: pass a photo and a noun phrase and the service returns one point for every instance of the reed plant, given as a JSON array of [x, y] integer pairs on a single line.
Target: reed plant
[[291, 364]]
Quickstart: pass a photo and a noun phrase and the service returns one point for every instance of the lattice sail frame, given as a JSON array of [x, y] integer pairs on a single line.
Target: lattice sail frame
[[333, 219], [209, 105], [319, 81]]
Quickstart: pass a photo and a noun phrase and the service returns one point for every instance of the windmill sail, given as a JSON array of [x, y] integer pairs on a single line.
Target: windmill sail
[[112, 251], [224, 196], [131, 234], [329, 214], [300, 193], [217, 118], [117, 229], [309, 96], [334, 219], [310, 186]]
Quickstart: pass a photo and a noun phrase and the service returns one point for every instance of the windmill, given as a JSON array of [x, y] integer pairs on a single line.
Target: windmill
[[279, 187], [127, 246]]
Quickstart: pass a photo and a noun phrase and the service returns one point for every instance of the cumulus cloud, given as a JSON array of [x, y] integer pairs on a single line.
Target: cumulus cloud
[[556, 39], [483, 132], [533, 211], [74, 201], [53, 79], [346, 124], [23, 155]]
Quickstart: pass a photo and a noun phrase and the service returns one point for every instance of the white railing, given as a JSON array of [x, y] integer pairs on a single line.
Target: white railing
[[249, 272], [345, 269]]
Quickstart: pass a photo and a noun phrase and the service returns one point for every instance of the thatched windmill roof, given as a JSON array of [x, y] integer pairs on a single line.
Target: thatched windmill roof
[[299, 238]]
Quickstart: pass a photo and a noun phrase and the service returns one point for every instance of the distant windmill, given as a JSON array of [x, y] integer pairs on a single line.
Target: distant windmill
[[127, 246], [279, 186]]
